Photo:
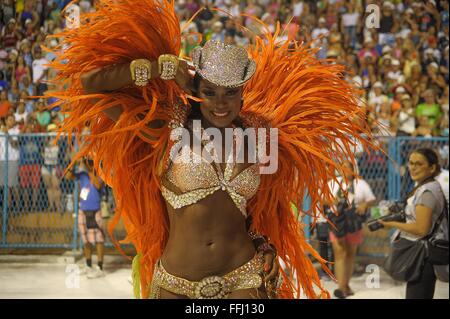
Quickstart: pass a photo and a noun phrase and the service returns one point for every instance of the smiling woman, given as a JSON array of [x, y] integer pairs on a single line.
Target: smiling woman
[[426, 218], [201, 229]]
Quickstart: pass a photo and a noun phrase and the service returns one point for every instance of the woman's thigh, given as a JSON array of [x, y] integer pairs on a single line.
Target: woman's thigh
[[339, 247]]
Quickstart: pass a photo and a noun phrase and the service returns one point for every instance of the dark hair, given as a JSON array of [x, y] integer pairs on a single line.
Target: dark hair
[[195, 114], [432, 159], [431, 156]]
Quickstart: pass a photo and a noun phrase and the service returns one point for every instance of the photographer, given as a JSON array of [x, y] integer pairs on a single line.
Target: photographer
[[425, 205], [346, 234], [90, 222]]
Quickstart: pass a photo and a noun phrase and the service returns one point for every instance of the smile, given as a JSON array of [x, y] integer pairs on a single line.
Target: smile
[[220, 114]]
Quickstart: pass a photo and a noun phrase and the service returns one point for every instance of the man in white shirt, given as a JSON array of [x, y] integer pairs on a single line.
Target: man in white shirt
[[349, 25], [396, 73], [297, 8], [40, 72], [376, 97], [321, 30], [9, 163]]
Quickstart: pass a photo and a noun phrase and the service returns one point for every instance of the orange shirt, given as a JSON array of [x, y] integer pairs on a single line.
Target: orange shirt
[[4, 109], [396, 106]]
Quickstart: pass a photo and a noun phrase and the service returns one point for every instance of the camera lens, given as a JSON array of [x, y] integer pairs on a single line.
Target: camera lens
[[374, 226]]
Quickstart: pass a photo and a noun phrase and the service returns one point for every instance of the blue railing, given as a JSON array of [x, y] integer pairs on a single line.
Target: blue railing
[[34, 195]]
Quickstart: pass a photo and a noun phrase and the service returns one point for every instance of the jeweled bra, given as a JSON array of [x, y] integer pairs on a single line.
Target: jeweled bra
[[196, 178]]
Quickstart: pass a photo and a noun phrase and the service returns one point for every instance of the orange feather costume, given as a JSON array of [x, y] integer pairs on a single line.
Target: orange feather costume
[[307, 100]]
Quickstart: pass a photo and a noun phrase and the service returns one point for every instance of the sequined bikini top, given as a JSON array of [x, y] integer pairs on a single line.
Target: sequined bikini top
[[196, 178]]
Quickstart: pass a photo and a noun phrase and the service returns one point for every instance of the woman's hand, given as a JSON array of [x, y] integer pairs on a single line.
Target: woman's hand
[[271, 266], [184, 78], [361, 209]]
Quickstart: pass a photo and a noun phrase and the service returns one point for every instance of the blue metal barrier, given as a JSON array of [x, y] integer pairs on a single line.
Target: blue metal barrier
[[34, 195], [34, 214]]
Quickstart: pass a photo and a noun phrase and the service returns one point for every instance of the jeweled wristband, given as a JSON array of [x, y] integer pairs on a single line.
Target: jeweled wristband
[[167, 66], [141, 71]]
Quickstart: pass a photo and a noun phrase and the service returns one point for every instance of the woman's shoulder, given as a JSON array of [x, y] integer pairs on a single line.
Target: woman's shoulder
[[254, 120], [433, 188]]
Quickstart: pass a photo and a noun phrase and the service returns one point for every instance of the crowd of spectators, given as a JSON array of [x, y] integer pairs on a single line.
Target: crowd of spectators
[[24, 29], [401, 63], [30, 161]]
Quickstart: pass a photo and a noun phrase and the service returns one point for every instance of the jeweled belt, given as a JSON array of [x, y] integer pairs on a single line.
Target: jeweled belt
[[215, 287]]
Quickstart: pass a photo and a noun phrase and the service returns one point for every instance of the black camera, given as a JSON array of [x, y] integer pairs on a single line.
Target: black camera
[[342, 206], [396, 214]]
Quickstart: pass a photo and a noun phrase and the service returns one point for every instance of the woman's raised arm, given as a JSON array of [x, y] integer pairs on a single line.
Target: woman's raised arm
[[110, 79]]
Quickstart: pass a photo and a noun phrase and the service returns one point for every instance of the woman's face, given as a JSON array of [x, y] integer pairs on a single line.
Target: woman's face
[[419, 168], [429, 98], [221, 105]]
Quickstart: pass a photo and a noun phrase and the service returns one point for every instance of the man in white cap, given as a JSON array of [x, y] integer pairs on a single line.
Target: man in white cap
[[376, 97], [396, 102], [350, 21], [388, 24], [320, 29], [417, 8], [320, 34], [11, 35], [395, 73], [429, 16], [430, 54], [399, 92], [436, 79], [386, 50], [409, 12], [218, 33], [406, 117]]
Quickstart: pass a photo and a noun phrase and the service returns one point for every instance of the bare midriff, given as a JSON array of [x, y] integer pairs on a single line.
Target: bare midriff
[[207, 238]]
